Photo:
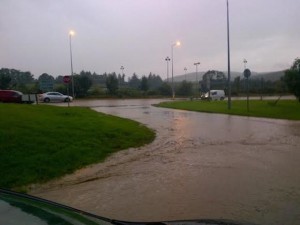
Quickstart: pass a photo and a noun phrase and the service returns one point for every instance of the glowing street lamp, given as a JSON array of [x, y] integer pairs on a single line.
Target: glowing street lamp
[[71, 33], [172, 47]]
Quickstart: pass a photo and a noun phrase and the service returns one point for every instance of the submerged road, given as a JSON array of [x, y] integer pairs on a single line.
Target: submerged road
[[199, 166]]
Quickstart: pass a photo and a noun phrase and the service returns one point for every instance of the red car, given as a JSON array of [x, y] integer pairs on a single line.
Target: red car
[[10, 96]]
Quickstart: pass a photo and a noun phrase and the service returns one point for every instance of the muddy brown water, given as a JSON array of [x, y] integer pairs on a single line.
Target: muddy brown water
[[199, 166]]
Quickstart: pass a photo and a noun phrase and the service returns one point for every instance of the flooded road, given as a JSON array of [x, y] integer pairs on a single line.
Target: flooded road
[[199, 166]]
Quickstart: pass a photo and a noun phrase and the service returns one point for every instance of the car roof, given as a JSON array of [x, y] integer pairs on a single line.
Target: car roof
[[11, 91]]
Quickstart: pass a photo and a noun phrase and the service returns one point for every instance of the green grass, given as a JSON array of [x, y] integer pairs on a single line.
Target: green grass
[[284, 109], [42, 142]]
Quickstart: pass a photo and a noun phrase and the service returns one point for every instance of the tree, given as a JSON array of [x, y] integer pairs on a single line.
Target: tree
[[112, 83], [144, 84], [185, 88], [121, 79], [237, 85], [5, 79], [134, 82], [82, 84], [11, 78], [292, 78], [165, 89], [46, 82], [154, 81], [46, 76], [213, 79]]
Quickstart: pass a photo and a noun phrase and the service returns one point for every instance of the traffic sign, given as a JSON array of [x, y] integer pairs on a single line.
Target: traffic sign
[[67, 79], [247, 73]]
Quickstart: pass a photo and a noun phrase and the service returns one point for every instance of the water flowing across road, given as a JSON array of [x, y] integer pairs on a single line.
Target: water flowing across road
[[199, 166]]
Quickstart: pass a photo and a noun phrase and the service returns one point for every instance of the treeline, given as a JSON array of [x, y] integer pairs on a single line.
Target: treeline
[[87, 84], [258, 86], [216, 80], [16, 79]]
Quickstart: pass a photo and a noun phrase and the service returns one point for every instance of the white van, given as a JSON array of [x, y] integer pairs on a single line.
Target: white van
[[214, 95]]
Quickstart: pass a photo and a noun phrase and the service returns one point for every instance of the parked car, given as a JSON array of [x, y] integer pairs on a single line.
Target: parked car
[[54, 97], [10, 96], [214, 95]]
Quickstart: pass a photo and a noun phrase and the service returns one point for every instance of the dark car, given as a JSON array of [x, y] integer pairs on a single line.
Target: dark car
[[10, 96]]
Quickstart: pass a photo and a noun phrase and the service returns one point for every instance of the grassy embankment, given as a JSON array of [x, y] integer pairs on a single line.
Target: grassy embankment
[[284, 109], [40, 142]]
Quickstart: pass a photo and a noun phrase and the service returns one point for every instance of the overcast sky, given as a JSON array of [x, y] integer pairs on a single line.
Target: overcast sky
[[138, 34]]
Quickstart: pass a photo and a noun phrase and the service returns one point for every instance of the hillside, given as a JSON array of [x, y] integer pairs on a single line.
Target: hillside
[[268, 76]]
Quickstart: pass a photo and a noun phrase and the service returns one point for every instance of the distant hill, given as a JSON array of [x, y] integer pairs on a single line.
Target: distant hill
[[190, 77], [268, 76]]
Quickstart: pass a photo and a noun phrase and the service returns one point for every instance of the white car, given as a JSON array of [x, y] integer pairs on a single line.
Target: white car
[[214, 95], [55, 97]]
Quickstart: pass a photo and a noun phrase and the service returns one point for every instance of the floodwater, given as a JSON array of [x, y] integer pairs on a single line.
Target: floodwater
[[199, 166]]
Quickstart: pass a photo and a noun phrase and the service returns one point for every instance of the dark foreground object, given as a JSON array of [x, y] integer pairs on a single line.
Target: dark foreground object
[[16, 208]]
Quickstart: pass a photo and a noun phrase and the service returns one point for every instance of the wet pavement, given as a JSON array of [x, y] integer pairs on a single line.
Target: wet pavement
[[199, 166]]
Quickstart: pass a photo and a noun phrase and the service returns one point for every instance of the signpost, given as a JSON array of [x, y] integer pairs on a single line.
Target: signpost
[[247, 74], [67, 80]]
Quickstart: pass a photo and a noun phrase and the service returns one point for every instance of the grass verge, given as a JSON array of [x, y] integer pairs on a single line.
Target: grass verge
[[284, 109], [42, 142]]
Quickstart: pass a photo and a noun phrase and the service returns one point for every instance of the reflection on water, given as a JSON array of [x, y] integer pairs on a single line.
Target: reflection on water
[[204, 126], [200, 166]]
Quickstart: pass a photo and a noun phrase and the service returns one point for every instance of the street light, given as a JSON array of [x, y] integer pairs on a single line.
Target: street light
[[122, 68], [185, 69], [245, 64], [122, 79], [71, 33], [168, 60], [197, 64], [172, 47], [228, 58]]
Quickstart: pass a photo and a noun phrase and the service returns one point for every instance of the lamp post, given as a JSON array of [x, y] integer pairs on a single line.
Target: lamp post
[[122, 68], [245, 64], [122, 79], [71, 33], [172, 48], [228, 58], [185, 69], [247, 74], [168, 60], [197, 64]]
